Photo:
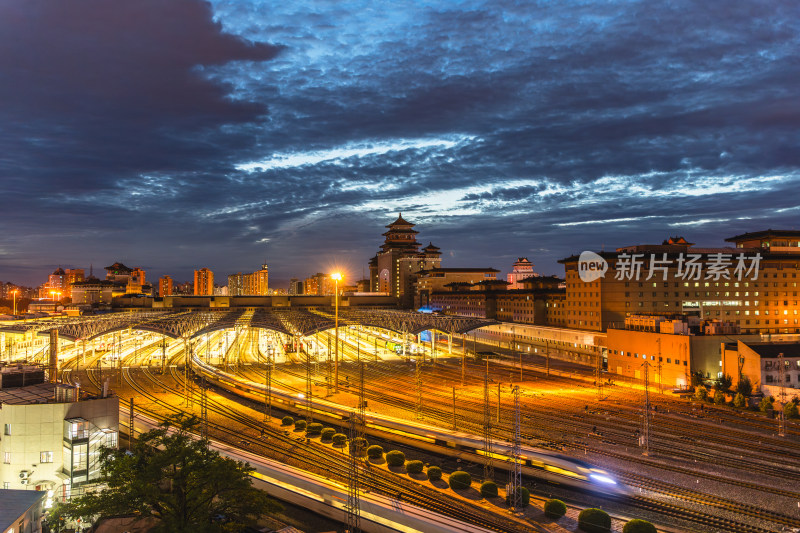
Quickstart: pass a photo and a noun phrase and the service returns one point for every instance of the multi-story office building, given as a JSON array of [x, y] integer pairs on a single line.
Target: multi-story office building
[[203, 282], [394, 269], [753, 284], [164, 286]]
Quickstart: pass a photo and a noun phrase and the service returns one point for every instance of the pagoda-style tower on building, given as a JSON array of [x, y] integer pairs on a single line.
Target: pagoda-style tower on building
[[394, 268]]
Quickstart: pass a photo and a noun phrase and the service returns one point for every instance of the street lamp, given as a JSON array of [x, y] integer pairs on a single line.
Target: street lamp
[[14, 296], [337, 277]]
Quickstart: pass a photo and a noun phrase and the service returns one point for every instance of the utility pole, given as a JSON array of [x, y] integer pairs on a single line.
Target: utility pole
[[203, 406], [130, 425], [645, 438], [599, 379], [781, 396], [498, 404], [309, 390], [547, 356], [454, 408], [268, 389], [356, 435], [488, 465], [515, 473], [418, 376]]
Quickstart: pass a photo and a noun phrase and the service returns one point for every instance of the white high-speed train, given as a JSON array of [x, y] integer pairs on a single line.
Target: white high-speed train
[[535, 462]]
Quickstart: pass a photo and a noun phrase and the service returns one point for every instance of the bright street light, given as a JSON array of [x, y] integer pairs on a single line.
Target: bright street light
[[14, 295], [336, 277]]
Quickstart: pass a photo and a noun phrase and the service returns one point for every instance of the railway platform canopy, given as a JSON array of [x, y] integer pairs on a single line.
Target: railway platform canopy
[[191, 324]]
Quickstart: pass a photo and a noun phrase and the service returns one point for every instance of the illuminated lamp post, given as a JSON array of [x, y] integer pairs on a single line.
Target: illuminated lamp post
[[336, 276], [14, 296]]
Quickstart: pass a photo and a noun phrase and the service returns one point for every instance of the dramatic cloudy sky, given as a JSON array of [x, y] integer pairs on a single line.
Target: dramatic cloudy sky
[[178, 134]]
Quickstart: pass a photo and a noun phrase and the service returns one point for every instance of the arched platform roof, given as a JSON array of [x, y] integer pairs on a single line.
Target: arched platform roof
[[289, 321]]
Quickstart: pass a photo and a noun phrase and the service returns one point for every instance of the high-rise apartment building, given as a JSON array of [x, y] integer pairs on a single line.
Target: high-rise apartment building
[[252, 284], [203, 282], [164, 286]]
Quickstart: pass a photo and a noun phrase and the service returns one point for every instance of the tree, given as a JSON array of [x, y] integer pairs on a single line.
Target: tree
[[723, 383], [700, 393], [790, 410], [766, 404], [744, 386], [739, 401], [719, 397], [697, 378], [178, 479]]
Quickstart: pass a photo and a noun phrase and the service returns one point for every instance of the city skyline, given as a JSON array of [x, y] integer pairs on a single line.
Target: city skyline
[[190, 135]]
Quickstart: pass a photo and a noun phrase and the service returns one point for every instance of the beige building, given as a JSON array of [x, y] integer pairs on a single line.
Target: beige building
[[51, 438], [759, 361], [440, 280], [520, 270], [753, 284]]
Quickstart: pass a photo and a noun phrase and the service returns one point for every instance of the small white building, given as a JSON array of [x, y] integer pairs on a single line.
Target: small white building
[[21, 511], [51, 437]]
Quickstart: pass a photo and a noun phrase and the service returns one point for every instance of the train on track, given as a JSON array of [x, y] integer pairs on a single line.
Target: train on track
[[535, 462]]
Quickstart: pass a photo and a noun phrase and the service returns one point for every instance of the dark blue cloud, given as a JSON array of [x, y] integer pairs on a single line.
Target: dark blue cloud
[[184, 134]]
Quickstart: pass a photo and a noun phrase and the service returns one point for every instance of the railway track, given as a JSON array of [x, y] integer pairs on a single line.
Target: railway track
[[316, 457]]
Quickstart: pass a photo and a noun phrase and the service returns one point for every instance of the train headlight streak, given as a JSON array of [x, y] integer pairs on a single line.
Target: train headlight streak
[[602, 479]]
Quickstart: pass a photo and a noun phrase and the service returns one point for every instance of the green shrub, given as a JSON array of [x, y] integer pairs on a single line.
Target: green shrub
[[414, 467], [395, 458], [434, 473], [790, 410], [300, 424], [327, 433], [489, 489], [639, 526], [315, 428], [555, 509], [719, 397], [460, 480], [360, 444], [739, 400], [287, 421], [594, 521], [700, 393], [524, 497], [723, 382], [765, 404], [339, 439], [745, 386], [375, 452]]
